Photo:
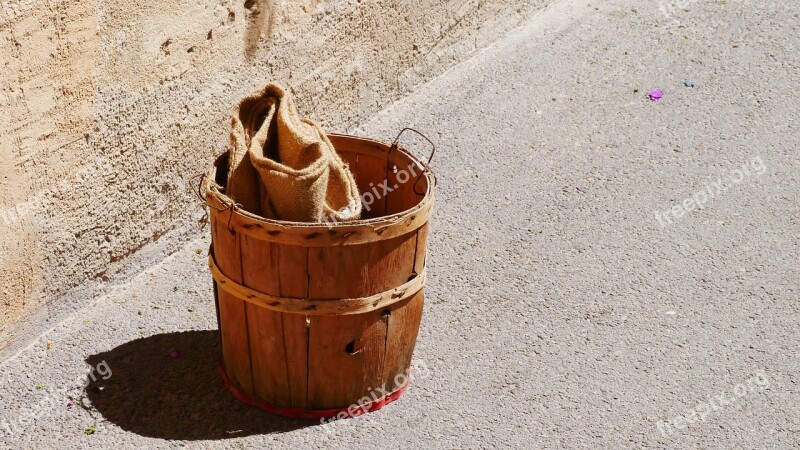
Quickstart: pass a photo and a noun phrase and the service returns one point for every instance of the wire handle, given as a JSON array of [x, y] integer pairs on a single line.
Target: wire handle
[[397, 139], [430, 158], [233, 206]]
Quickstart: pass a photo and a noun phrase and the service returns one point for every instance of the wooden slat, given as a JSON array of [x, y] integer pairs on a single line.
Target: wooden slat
[[351, 159], [293, 272], [295, 334], [403, 322], [402, 181], [265, 327], [338, 378], [370, 174], [232, 310], [422, 249], [260, 265], [359, 145], [363, 270], [270, 377]]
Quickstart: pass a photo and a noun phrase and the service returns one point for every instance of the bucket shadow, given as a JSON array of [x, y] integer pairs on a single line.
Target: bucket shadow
[[153, 394]]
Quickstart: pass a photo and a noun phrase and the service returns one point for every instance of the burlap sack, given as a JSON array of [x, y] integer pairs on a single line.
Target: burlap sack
[[283, 166]]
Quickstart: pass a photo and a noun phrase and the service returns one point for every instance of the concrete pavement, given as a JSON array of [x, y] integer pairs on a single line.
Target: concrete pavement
[[582, 293]]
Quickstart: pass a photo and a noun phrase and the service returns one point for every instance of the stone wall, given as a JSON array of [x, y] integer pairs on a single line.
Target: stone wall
[[109, 107]]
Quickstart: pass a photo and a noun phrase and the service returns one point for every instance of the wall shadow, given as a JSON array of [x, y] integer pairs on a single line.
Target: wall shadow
[[152, 394], [259, 20]]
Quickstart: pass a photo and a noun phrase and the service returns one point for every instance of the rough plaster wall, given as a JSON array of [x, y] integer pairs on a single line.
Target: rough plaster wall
[[109, 107]]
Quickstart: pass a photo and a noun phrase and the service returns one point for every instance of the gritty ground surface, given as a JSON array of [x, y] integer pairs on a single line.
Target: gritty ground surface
[[561, 311]]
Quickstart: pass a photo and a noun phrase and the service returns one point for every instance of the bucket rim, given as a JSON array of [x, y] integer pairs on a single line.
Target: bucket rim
[[322, 233]]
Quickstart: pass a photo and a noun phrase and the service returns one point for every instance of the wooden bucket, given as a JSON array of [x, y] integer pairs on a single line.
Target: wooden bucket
[[321, 319]]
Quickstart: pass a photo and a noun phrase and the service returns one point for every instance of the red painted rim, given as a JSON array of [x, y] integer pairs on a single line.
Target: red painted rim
[[301, 413]]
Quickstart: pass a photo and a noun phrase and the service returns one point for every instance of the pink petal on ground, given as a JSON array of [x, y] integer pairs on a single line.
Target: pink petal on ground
[[655, 95]]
